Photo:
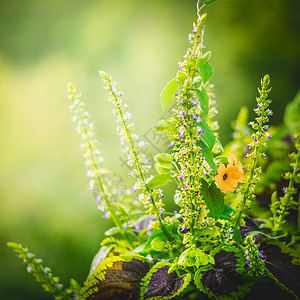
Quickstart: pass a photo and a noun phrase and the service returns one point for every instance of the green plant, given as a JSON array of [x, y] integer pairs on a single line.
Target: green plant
[[210, 248]]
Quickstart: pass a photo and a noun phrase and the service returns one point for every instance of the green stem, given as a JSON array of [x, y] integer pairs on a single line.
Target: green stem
[[193, 183], [174, 164]]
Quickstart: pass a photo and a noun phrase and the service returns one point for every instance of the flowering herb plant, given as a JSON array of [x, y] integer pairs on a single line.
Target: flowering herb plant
[[214, 246]]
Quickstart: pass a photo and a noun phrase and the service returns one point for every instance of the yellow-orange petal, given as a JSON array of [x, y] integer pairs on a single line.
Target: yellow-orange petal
[[235, 173], [225, 181], [240, 167], [227, 186], [233, 162], [221, 169], [232, 159]]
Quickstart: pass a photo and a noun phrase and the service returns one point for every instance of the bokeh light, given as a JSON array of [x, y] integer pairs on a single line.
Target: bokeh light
[[45, 203]]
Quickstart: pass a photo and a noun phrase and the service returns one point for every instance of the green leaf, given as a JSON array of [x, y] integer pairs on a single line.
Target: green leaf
[[161, 170], [208, 134], [292, 114], [219, 144], [213, 198], [226, 212], [158, 244], [237, 236], [209, 2], [206, 56], [159, 180], [156, 233], [168, 93], [164, 159], [181, 77], [194, 257], [197, 82], [162, 126], [204, 102], [205, 69], [206, 152]]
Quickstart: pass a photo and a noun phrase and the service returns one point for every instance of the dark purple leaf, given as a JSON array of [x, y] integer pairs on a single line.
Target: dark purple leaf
[[223, 278], [158, 283], [163, 284]]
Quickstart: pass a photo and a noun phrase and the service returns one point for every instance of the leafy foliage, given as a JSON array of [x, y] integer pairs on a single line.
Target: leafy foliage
[[117, 277], [209, 246], [160, 284]]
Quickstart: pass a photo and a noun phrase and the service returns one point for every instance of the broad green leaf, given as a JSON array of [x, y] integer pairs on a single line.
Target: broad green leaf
[[206, 152], [205, 234], [226, 212], [164, 159], [237, 236], [168, 93], [213, 198], [197, 82], [194, 257], [208, 134], [154, 234], [206, 56], [219, 144], [181, 77], [160, 169], [209, 2], [205, 69], [292, 114], [158, 244], [159, 180], [204, 102], [162, 126]]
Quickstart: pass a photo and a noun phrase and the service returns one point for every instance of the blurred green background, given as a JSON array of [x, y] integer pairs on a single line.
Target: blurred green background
[[45, 204]]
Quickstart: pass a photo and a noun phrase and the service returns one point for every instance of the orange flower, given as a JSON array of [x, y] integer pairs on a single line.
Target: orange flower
[[228, 177], [234, 163]]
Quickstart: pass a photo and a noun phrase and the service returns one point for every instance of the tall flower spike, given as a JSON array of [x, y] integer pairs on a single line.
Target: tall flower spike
[[255, 258], [85, 129], [50, 283], [193, 138], [281, 207], [131, 144], [92, 156], [259, 141], [132, 148]]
